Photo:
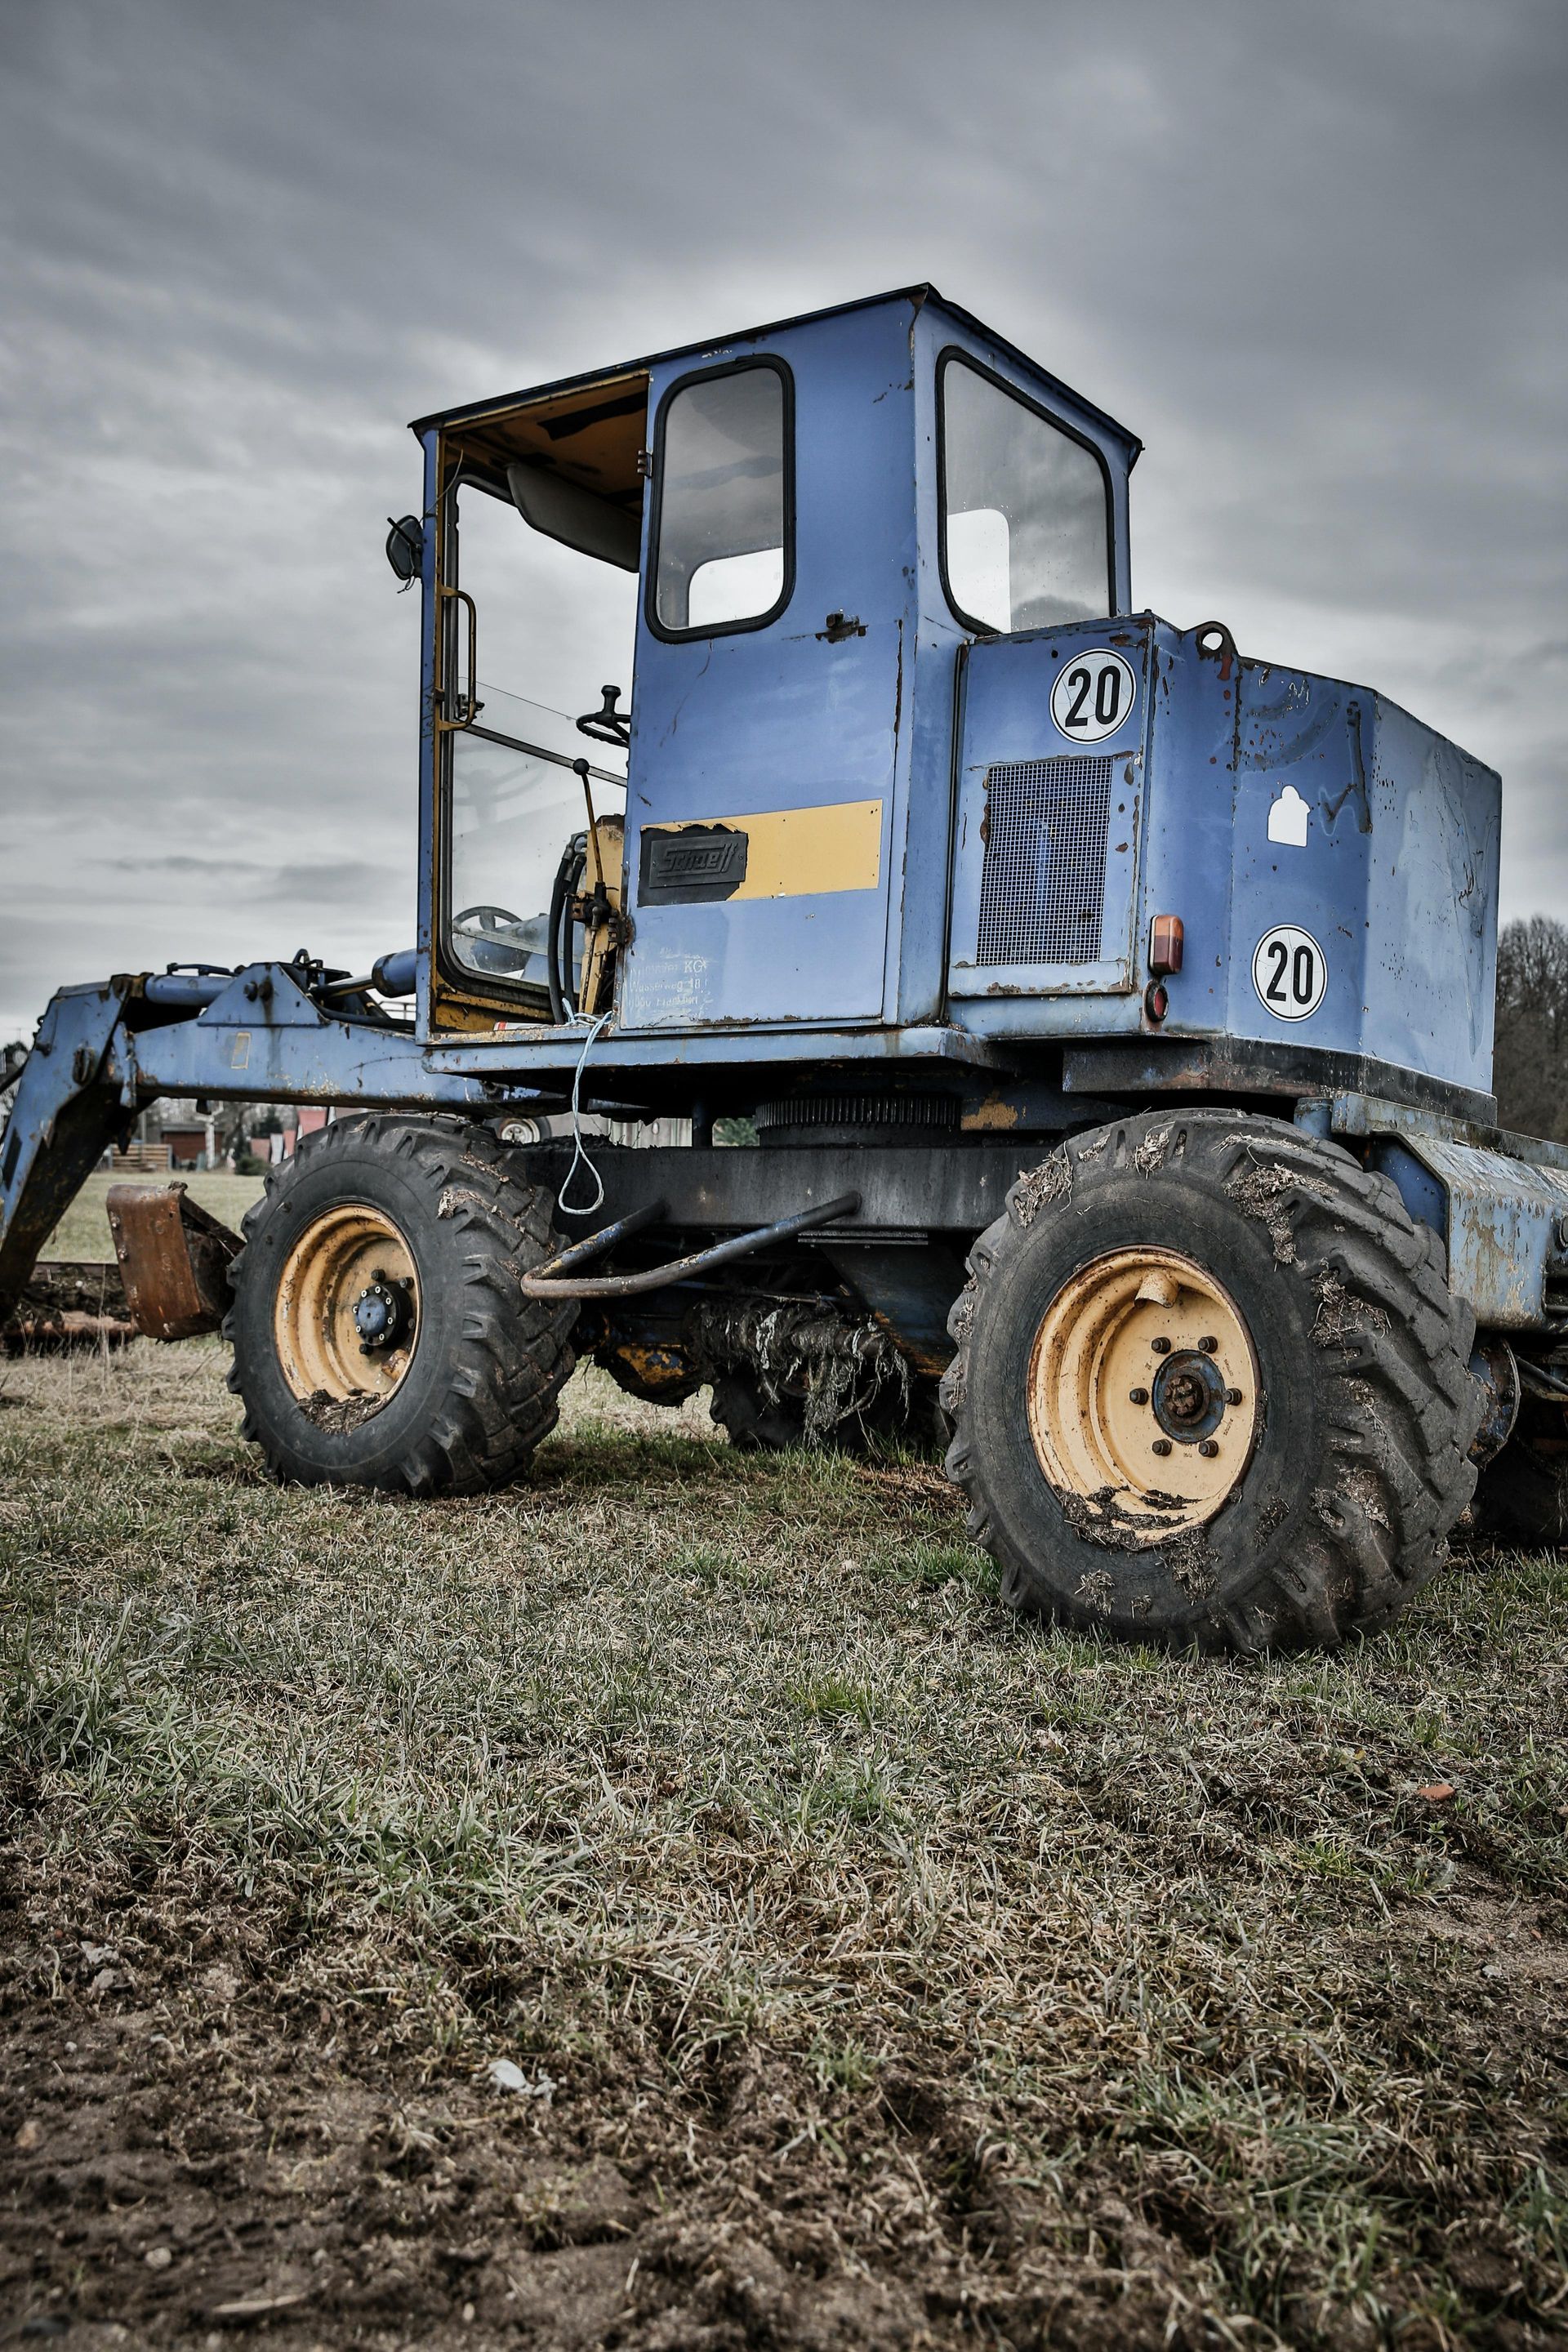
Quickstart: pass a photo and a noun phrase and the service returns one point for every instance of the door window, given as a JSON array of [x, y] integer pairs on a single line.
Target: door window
[[1025, 510], [722, 474]]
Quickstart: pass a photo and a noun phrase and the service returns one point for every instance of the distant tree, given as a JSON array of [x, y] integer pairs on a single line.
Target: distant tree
[[1530, 1064]]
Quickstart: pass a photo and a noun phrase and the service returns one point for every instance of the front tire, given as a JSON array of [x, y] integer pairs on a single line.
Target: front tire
[[409, 1233], [1210, 1389]]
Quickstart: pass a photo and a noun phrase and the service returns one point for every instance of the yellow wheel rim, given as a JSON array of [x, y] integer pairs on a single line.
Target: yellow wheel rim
[[1143, 1394], [350, 1276]]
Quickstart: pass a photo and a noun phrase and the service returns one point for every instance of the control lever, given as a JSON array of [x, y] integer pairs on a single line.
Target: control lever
[[607, 725]]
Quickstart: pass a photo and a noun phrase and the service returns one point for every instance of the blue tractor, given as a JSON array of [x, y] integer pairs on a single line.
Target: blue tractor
[[1108, 1016]]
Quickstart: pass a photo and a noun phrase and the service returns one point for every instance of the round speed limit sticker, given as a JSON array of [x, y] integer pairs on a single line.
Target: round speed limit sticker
[[1289, 971], [1092, 696]]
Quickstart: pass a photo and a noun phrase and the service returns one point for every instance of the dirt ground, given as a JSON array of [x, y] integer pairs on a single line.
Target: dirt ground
[[672, 1905]]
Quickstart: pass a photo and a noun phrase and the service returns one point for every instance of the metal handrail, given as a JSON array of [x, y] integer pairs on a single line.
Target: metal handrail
[[468, 704]]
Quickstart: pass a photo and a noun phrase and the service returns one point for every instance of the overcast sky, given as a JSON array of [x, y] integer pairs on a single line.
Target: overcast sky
[[1314, 254]]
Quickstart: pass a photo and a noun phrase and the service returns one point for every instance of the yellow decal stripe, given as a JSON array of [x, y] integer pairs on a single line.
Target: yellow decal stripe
[[805, 852]]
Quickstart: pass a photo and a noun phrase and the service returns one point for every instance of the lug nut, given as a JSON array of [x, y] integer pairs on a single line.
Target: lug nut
[[1137, 1396], [1208, 1448], [1162, 1347], [1232, 1396], [1161, 1445], [1209, 1346]]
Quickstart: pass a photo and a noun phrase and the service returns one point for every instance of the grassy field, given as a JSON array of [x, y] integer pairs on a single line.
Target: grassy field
[[867, 1968], [83, 1230]]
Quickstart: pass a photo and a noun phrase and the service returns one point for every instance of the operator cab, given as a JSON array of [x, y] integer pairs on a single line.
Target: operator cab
[[816, 515]]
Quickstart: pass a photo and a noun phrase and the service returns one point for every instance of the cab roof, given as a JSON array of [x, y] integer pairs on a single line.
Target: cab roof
[[917, 296]]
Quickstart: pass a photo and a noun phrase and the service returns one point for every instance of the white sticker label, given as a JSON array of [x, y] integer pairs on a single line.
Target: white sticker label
[[1092, 696], [1289, 971]]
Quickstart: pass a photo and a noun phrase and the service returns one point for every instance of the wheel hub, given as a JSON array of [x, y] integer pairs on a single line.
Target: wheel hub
[[382, 1314], [1143, 1393], [1188, 1397]]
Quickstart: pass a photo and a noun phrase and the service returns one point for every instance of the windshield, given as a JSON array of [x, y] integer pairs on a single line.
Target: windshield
[[1026, 510], [516, 807]]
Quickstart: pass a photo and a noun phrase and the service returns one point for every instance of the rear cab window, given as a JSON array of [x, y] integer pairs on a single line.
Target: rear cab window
[[724, 524], [1026, 537]]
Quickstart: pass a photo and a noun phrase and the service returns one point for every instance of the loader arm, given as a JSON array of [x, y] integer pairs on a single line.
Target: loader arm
[[65, 1112], [107, 1050]]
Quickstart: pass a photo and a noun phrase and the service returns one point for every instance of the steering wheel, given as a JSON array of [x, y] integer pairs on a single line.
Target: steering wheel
[[607, 725], [490, 952]]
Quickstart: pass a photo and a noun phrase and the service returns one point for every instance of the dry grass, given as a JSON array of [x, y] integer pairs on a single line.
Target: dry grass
[[898, 1973]]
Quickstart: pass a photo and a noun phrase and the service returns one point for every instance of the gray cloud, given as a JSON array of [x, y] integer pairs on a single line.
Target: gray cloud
[[1314, 255]]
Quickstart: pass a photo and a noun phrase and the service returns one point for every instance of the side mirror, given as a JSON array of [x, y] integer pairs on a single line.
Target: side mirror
[[405, 548]]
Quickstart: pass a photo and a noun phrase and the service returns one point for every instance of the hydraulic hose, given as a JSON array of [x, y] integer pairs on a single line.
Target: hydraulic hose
[[568, 874]]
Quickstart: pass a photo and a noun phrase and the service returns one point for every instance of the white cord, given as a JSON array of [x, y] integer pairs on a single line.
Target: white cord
[[578, 1154]]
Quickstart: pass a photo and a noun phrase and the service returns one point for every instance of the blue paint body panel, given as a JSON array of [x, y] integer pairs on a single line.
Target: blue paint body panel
[[1395, 879]]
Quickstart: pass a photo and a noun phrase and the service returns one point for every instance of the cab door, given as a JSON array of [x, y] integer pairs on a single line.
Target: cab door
[[765, 749]]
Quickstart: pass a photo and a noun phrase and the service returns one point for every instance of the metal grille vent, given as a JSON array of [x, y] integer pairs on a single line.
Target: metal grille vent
[[938, 1112], [1042, 887]]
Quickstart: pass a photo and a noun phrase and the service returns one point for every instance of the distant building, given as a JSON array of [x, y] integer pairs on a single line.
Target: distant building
[[189, 1145]]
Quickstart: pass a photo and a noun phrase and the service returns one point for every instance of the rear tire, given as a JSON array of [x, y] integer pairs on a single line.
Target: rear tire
[[755, 1423], [1522, 1497], [429, 1218], [1331, 1466]]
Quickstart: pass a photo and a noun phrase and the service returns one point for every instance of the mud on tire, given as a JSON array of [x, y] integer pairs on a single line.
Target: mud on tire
[[1365, 1409], [487, 1365]]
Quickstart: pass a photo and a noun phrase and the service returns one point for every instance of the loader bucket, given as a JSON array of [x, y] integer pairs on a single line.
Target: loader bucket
[[173, 1259]]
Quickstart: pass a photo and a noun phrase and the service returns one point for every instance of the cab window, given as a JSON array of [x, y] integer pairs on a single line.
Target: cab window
[[722, 473], [1025, 510]]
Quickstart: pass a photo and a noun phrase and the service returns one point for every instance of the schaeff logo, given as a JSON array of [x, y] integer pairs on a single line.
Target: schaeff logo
[[698, 862], [715, 858]]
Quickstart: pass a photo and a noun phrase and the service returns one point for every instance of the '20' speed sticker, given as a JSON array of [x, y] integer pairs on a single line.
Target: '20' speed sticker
[[1289, 971], [1092, 696]]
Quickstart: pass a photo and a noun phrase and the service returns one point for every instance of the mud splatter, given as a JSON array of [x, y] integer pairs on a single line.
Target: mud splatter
[[462, 1196], [1188, 1559], [1154, 1151], [340, 1415], [1260, 1192], [1339, 1316], [1042, 1186], [1103, 1517]]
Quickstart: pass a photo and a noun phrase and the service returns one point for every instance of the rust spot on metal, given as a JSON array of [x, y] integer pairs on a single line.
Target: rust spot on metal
[[656, 1370], [1215, 643], [993, 1113], [926, 1359], [173, 1259]]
